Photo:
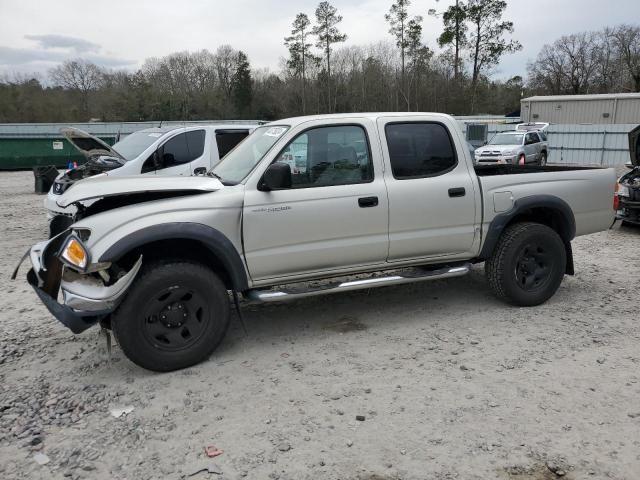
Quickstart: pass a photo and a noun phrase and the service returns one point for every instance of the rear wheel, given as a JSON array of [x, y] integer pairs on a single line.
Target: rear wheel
[[174, 316], [527, 265]]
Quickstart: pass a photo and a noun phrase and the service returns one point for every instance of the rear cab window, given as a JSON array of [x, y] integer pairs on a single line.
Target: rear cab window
[[419, 149]]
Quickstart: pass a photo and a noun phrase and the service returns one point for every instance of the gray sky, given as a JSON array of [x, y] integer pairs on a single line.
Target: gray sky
[[37, 35]]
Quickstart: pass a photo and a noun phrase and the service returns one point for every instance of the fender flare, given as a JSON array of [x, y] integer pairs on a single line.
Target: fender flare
[[521, 205], [214, 240]]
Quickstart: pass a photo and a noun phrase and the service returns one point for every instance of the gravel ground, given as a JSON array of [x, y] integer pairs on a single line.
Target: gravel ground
[[436, 380]]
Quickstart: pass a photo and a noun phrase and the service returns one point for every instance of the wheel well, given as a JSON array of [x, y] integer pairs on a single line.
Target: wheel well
[[548, 216], [553, 219], [179, 249]]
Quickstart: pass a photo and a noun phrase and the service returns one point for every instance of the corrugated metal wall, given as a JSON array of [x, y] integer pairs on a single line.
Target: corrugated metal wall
[[597, 109], [605, 145]]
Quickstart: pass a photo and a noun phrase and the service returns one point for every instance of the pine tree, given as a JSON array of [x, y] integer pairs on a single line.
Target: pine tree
[[241, 83], [326, 20]]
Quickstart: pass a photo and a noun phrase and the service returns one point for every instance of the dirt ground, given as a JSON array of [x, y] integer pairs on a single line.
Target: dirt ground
[[451, 383]]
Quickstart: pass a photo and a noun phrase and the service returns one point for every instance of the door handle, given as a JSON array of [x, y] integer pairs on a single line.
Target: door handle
[[457, 192], [366, 202]]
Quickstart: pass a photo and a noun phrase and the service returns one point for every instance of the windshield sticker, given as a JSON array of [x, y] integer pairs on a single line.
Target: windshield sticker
[[275, 131], [155, 135]]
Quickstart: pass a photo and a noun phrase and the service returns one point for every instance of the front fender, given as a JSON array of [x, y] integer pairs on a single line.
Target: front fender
[[217, 243]]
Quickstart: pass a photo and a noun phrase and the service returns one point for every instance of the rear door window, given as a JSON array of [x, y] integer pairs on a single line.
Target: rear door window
[[418, 150]]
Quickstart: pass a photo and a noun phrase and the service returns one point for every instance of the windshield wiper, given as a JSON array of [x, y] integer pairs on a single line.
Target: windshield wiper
[[226, 183]]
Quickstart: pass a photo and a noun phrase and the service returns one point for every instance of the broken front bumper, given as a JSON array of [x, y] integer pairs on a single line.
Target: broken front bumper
[[85, 298], [629, 211]]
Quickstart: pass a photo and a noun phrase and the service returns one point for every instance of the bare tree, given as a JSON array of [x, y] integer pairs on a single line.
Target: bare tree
[[627, 39], [569, 65], [80, 75]]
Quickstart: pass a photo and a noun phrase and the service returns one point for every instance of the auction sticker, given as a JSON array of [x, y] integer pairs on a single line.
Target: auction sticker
[[275, 131], [57, 145]]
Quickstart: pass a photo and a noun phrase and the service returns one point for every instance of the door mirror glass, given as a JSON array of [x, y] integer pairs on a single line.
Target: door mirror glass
[[276, 177]]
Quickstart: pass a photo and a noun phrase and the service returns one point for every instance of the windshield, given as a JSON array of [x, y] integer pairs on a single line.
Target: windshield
[[134, 144], [239, 162], [506, 139]]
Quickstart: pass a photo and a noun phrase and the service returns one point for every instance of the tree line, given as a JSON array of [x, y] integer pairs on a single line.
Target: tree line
[[322, 73], [589, 62]]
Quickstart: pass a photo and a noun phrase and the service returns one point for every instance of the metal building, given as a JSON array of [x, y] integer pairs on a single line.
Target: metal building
[[610, 108]]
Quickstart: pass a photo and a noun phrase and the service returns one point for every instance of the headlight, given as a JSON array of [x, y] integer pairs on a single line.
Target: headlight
[[75, 254], [623, 190], [508, 153]]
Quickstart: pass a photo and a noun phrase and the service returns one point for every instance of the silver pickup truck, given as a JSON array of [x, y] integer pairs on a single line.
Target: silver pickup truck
[[349, 201]]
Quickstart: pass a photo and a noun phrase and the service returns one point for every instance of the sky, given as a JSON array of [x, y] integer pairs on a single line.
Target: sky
[[116, 34]]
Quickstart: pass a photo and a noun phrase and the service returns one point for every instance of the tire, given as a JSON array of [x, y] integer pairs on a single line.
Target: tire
[[192, 301], [543, 159], [527, 265]]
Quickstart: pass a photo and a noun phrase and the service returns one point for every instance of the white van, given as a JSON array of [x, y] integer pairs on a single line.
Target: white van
[[171, 150]]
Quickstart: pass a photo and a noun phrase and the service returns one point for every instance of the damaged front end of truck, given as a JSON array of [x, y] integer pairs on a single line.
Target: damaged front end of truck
[[78, 289], [628, 190], [88, 292]]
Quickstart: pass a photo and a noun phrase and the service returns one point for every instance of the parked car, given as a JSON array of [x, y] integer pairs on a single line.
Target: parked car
[[516, 148], [155, 258], [628, 189], [172, 150]]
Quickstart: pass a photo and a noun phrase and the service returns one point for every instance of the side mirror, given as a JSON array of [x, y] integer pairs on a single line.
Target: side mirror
[[485, 143], [168, 160], [200, 171], [276, 177]]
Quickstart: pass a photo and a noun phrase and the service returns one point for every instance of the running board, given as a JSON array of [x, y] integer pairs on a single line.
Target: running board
[[415, 275]]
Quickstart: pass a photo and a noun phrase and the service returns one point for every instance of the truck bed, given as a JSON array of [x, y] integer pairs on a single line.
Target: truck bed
[[508, 169], [588, 191]]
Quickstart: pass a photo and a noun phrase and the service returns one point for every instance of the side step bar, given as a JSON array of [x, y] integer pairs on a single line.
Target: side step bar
[[273, 295]]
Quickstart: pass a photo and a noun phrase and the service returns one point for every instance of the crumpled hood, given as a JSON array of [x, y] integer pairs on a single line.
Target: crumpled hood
[[104, 186], [87, 144], [634, 146]]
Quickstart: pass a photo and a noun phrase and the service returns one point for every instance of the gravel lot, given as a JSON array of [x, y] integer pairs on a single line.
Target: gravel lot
[[452, 384]]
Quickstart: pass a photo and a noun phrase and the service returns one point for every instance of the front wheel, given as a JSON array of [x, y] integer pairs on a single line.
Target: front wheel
[[174, 316], [527, 265], [543, 159]]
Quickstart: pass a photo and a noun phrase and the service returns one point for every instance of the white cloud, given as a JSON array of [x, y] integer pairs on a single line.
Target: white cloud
[[108, 32]]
